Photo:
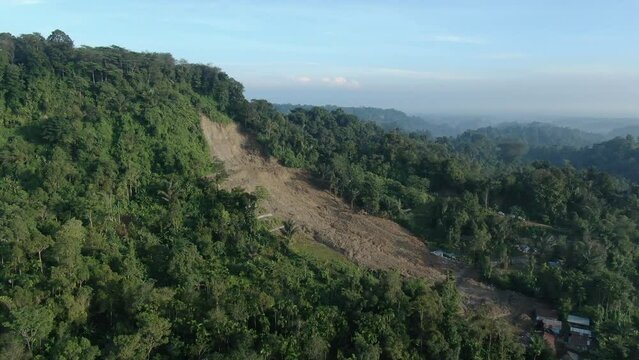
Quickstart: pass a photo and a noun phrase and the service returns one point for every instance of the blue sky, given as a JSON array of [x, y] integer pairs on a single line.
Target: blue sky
[[548, 57]]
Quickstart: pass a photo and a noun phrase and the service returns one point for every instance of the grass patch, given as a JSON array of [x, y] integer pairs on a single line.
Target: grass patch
[[319, 253]]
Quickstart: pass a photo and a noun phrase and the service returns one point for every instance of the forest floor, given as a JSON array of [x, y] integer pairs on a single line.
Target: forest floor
[[366, 240]]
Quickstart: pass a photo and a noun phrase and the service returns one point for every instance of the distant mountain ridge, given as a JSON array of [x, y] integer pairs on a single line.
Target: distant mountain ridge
[[609, 147], [624, 131], [619, 156], [390, 119], [386, 118], [608, 126], [534, 133], [538, 134]]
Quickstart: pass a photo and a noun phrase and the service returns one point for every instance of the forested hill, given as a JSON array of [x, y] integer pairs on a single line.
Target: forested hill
[[533, 133], [558, 145], [512, 142], [116, 242], [618, 156], [389, 119], [536, 134], [625, 131], [579, 227]]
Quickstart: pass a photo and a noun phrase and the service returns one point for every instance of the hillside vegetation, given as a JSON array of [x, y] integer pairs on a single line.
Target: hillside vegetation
[[532, 132], [619, 156], [118, 242], [536, 135], [367, 240], [586, 221], [391, 119], [508, 142]]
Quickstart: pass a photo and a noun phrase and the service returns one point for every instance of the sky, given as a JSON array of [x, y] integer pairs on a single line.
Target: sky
[[553, 57]]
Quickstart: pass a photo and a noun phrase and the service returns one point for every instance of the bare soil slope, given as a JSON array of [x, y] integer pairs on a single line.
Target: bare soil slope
[[367, 240]]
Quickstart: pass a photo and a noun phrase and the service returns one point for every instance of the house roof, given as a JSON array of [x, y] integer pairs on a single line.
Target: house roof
[[579, 331], [548, 322], [578, 320], [450, 255]]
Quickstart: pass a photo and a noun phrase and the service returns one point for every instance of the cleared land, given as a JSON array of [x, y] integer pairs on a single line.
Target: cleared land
[[367, 240]]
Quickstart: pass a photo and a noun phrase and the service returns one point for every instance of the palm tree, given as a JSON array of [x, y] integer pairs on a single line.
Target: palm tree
[[538, 348], [289, 229]]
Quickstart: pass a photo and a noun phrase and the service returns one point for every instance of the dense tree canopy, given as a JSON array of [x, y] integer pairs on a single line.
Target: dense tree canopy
[[117, 243], [487, 209], [618, 156], [535, 135]]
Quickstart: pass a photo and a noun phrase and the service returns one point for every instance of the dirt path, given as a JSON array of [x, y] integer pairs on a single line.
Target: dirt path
[[367, 240]]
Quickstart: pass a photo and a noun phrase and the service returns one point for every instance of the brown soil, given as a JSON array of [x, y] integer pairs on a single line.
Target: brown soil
[[367, 240]]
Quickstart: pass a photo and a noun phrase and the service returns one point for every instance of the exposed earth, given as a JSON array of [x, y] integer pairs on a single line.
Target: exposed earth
[[366, 240]]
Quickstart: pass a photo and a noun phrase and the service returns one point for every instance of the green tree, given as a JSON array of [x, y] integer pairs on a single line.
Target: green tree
[[32, 323]]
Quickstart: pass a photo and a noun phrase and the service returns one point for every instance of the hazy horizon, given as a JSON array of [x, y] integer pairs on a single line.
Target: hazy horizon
[[455, 57], [499, 116]]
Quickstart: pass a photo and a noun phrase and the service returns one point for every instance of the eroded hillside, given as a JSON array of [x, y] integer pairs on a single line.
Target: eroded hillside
[[367, 240]]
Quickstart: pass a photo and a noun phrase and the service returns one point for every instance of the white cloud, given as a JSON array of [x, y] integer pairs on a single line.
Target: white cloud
[[331, 81], [340, 81], [458, 39], [303, 79]]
